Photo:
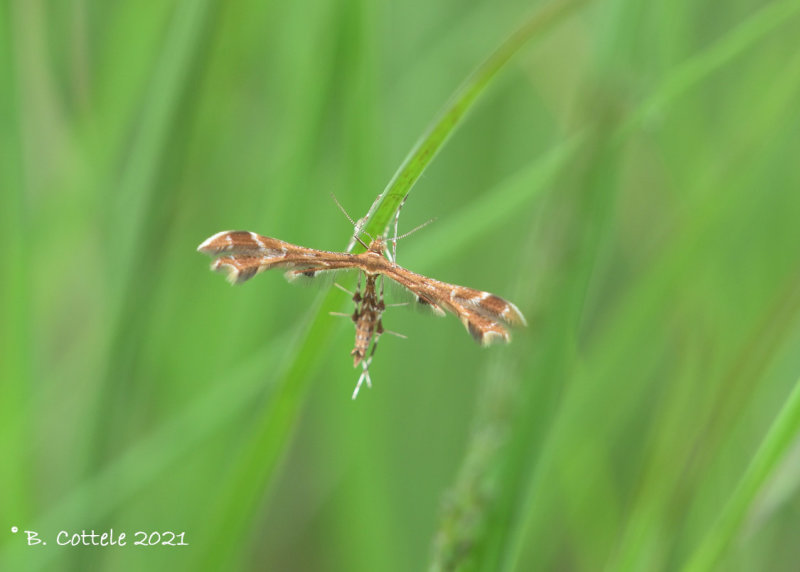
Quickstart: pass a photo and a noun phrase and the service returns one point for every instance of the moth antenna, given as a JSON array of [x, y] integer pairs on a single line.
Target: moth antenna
[[355, 238], [416, 228], [358, 227], [340, 314], [341, 208]]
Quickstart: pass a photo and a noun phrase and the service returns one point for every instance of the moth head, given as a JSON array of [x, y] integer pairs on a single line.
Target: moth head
[[377, 245]]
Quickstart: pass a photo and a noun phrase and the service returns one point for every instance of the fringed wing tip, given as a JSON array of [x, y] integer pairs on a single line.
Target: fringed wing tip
[[233, 274], [491, 337], [488, 334], [516, 318]]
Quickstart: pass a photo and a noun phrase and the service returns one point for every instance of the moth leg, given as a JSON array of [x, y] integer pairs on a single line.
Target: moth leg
[[363, 377], [357, 293], [357, 300], [343, 289], [398, 334], [379, 325], [396, 222], [377, 336]]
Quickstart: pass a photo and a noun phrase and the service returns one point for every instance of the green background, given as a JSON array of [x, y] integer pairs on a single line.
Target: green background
[[630, 180]]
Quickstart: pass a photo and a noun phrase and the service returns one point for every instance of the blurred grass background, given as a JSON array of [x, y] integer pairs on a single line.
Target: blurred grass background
[[630, 181]]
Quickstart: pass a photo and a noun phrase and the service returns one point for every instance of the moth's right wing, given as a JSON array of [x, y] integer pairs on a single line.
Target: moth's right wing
[[484, 315]]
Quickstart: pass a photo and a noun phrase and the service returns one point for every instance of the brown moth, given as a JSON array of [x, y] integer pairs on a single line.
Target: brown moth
[[243, 254]]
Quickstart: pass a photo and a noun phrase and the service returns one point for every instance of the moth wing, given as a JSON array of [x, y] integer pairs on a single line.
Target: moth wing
[[242, 254], [423, 299], [312, 273], [489, 305], [481, 313], [235, 242]]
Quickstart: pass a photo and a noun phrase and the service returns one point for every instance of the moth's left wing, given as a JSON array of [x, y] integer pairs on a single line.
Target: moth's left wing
[[242, 254]]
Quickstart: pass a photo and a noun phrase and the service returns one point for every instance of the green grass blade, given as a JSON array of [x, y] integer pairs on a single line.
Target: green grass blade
[[426, 148], [253, 474], [700, 67], [137, 209], [138, 186], [148, 460], [685, 78], [641, 422], [775, 447], [16, 381], [494, 207]]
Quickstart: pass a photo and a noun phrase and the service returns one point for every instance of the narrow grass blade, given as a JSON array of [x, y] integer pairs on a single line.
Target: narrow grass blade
[[700, 67], [253, 474], [683, 79], [434, 138], [148, 459], [15, 299], [495, 206], [138, 208], [783, 433]]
